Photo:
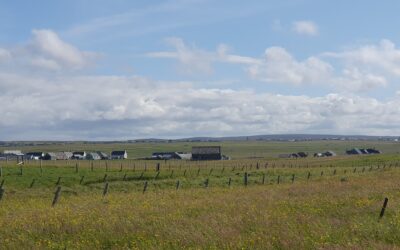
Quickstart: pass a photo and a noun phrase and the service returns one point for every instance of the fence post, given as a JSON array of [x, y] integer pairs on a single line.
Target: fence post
[[105, 178], [145, 187], [229, 181], [198, 172], [105, 190], [91, 166], [58, 181], [206, 183], [2, 183], [177, 185], [184, 173], [155, 177], [82, 178], [1, 171], [120, 167], [158, 167], [32, 183], [383, 208], [76, 167], [56, 196], [1, 193], [263, 178], [292, 178], [279, 179], [124, 179], [246, 177], [308, 176]]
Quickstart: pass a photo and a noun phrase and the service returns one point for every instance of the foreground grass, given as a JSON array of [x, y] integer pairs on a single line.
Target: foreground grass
[[339, 211]]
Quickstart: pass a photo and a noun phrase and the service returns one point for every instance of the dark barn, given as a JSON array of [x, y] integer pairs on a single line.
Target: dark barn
[[202, 153]]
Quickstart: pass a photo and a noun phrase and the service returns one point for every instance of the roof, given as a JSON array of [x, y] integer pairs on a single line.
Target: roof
[[118, 152], [206, 150], [35, 153]]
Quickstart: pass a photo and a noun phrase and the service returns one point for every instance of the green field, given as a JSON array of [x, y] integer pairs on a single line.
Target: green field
[[308, 203]]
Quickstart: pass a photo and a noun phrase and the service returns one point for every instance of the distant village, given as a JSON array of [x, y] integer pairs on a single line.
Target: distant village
[[353, 151], [198, 153]]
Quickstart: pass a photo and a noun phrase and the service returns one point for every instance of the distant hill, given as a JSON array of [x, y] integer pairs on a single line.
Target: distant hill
[[277, 137]]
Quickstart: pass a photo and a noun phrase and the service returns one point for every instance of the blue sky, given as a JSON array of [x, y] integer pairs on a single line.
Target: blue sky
[[104, 70]]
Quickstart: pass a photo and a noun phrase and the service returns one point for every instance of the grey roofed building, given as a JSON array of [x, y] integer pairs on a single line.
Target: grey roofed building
[[34, 155], [79, 155], [118, 155], [50, 156], [354, 151], [93, 156], [206, 153], [63, 155], [103, 155]]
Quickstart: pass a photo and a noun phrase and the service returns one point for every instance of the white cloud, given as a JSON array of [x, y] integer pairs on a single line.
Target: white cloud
[[279, 66], [384, 56], [46, 51], [191, 59], [305, 28], [357, 70], [116, 107]]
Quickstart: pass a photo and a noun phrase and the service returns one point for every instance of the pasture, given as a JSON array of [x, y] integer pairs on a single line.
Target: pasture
[[246, 202]]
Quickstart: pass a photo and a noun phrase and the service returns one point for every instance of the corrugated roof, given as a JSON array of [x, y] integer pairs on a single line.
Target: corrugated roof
[[206, 150]]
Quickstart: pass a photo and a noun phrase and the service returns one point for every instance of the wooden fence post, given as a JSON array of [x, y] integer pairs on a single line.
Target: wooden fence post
[[246, 178], [145, 187], [105, 178], [76, 167], [91, 166], [32, 183], [2, 183], [158, 167], [81, 180], [124, 178], [56, 196], [229, 181], [279, 179], [177, 184], [308, 176], [58, 181], [172, 174], [206, 183], [105, 190], [383, 208], [263, 178], [292, 178]]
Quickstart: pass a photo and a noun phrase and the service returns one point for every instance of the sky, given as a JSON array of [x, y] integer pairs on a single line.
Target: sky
[[119, 70]]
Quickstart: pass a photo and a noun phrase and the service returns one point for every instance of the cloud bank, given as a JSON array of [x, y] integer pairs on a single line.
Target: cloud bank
[[98, 107]]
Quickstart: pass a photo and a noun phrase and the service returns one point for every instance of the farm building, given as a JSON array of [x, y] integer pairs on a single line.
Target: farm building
[[63, 155], [294, 155], [103, 155], [354, 151], [171, 155], [34, 155], [50, 156], [206, 153], [13, 155], [362, 151], [117, 155], [325, 154], [79, 155], [93, 156]]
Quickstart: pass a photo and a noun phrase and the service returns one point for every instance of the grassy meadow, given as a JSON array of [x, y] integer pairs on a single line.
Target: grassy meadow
[[244, 203]]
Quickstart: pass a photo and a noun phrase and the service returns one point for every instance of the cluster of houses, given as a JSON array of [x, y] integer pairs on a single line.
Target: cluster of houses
[[199, 153], [77, 155], [362, 151], [329, 153]]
